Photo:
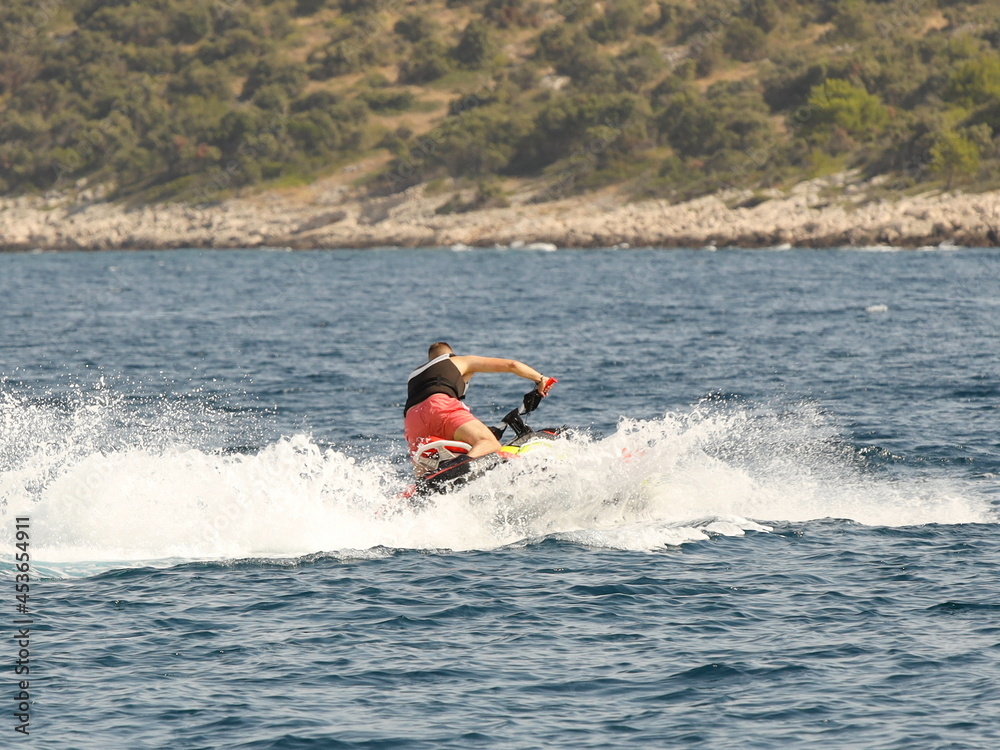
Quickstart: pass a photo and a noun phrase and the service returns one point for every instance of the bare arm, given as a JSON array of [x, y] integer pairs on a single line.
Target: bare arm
[[470, 365]]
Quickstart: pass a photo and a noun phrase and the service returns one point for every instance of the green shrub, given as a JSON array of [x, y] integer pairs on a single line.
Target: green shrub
[[131, 24], [556, 43], [201, 80], [764, 14], [489, 194], [324, 101], [477, 47], [323, 132], [574, 54], [790, 83], [512, 13], [271, 98], [190, 23], [361, 6], [237, 127], [839, 103], [308, 7], [473, 101], [376, 80], [953, 156], [565, 126], [731, 117], [478, 142], [575, 11], [743, 41], [387, 100], [853, 20], [338, 59], [238, 50], [708, 55], [619, 20], [289, 77], [415, 27], [638, 66], [427, 62], [975, 81]]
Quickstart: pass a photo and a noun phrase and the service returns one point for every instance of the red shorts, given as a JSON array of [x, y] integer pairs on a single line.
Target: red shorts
[[438, 415]]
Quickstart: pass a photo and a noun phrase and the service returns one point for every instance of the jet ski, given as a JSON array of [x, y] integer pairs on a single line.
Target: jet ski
[[444, 465]]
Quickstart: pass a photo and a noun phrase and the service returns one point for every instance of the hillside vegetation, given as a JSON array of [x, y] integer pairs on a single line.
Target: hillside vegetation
[[193, 99]]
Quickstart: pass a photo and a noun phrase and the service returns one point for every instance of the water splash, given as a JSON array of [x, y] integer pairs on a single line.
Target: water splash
[[106, 481]]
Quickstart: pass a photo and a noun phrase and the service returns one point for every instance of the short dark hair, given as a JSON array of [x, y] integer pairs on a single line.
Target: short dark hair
[[438, 348]]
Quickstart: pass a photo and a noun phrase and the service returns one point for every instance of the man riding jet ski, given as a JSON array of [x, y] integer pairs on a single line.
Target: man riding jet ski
[[442, 435]]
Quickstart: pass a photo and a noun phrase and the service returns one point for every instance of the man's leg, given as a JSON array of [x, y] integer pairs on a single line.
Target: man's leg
[[479, 436]]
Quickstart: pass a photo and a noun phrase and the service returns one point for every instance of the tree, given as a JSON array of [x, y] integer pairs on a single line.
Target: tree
[[619, 19], [853, 20], [428, 62], [190, 23], [975, 81], [290, 77], [566, 126], [743, 41], [764, 14], [308, 7], [203, 81], [509, 13], [574, 54], [733, 116], [839, 103], [954, 155], [416, 27], [638, 66], [477, 47]]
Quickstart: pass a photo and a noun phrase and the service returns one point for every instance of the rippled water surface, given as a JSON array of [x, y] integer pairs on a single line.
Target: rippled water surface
[[775, 524]]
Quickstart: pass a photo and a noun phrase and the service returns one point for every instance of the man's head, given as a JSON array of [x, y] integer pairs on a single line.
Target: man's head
[[438, 348]]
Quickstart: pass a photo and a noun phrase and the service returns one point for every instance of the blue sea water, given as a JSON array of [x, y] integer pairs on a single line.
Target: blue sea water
[[776, 525]]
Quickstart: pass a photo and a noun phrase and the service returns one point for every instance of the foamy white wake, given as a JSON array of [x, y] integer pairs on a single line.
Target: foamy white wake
[[99, 486]]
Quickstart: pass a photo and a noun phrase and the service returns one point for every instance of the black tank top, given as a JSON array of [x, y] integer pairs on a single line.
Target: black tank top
[[440, 375]]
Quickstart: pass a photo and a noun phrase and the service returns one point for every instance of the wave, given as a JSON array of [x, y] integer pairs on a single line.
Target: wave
[[105, 482]]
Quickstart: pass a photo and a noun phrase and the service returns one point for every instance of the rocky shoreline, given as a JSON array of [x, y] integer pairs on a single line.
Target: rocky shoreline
[[829, 212]]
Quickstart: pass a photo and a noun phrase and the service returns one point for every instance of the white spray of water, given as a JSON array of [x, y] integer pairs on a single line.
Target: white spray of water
[[99, 486]]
